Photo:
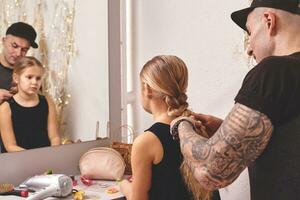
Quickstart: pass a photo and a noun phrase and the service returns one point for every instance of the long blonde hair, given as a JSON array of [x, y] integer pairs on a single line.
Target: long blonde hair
[[168, 76]]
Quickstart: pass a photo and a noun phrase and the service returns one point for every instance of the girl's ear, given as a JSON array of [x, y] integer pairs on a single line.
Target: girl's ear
[[15, 78], [148, 91]]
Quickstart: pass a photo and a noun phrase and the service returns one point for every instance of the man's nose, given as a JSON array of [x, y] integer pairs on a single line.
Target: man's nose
[[18, 51]]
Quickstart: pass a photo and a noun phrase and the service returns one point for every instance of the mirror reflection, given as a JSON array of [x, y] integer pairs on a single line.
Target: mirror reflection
[[72, 40]]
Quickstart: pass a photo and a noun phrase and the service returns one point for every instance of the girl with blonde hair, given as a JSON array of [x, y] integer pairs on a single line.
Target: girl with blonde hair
[[156, 157], [28, 119]]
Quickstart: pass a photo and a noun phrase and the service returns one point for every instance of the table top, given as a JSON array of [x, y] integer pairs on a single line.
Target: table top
[[97, 191]]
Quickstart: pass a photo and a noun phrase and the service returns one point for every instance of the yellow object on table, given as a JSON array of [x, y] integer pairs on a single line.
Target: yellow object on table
[[112, 190], [79, 195]]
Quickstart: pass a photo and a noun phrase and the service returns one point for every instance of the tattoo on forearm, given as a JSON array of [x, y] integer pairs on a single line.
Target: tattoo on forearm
[[219, 160]]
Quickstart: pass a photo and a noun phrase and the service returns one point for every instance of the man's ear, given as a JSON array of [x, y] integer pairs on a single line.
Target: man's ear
[[270, 20]]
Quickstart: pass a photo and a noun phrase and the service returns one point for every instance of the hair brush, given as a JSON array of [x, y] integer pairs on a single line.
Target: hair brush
[[8, 189]]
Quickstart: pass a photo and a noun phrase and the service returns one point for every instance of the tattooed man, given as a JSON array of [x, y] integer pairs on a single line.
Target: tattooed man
[[262, 131]]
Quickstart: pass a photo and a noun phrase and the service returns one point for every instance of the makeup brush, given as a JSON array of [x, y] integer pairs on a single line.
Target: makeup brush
[[8, 189]]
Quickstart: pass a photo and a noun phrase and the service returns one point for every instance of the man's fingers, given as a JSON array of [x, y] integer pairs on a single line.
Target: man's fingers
[[5, 93], [201, 117], [8, 95], [198, 124]]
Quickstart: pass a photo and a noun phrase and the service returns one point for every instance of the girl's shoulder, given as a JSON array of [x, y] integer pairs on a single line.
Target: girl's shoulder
[[146, 139], [149, 145], [4, 107]]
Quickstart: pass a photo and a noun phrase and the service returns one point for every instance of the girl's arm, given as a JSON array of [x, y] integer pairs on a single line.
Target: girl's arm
[[6, 129], [53, 135], [144, 152]]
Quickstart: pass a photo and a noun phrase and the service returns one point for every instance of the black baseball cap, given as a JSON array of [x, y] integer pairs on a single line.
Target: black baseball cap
[[23, 30], [240, 16]]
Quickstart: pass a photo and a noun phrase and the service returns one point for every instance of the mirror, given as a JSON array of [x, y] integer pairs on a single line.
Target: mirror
[[86, 104]]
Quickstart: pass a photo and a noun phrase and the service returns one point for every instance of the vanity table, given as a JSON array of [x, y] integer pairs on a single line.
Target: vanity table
[[97, 191], [61, 159]]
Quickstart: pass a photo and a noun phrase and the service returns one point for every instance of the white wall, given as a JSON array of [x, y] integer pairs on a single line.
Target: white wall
[[203, 35], [88, 82]]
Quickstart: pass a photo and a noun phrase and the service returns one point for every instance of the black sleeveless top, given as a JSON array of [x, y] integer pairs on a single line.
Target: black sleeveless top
[[30, 124], [167, 183]]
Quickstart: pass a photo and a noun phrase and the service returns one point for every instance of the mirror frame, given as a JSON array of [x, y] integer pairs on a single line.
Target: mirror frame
[[17, 166]]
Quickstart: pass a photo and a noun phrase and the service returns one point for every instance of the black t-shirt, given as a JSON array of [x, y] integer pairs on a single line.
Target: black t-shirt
[[273, 88], [5, 83], [5, 77]]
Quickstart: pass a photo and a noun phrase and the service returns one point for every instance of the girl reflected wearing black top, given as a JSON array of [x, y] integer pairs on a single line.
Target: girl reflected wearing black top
[[28, 120]]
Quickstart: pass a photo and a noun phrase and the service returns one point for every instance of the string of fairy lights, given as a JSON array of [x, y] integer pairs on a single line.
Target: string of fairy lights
[[56, 43]]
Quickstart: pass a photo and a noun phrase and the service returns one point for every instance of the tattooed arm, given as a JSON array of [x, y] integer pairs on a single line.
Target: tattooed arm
[[216, 162]]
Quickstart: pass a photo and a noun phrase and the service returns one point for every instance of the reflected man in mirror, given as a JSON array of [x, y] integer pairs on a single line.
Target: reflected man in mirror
[[262, 131], [19, 38]]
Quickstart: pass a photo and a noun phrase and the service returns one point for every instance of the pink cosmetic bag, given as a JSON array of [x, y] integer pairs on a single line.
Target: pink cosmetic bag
[[102, 163]]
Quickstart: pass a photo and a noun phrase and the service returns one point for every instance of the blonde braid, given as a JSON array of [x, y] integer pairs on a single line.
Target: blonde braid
[[177, 106], [191, 182]]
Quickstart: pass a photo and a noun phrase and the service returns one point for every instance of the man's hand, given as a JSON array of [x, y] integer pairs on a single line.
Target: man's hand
[[4, 95], [210, 122]]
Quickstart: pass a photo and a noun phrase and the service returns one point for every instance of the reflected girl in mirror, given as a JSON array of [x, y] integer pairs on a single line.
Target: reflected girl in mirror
[[28, 119], [158, 169]]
